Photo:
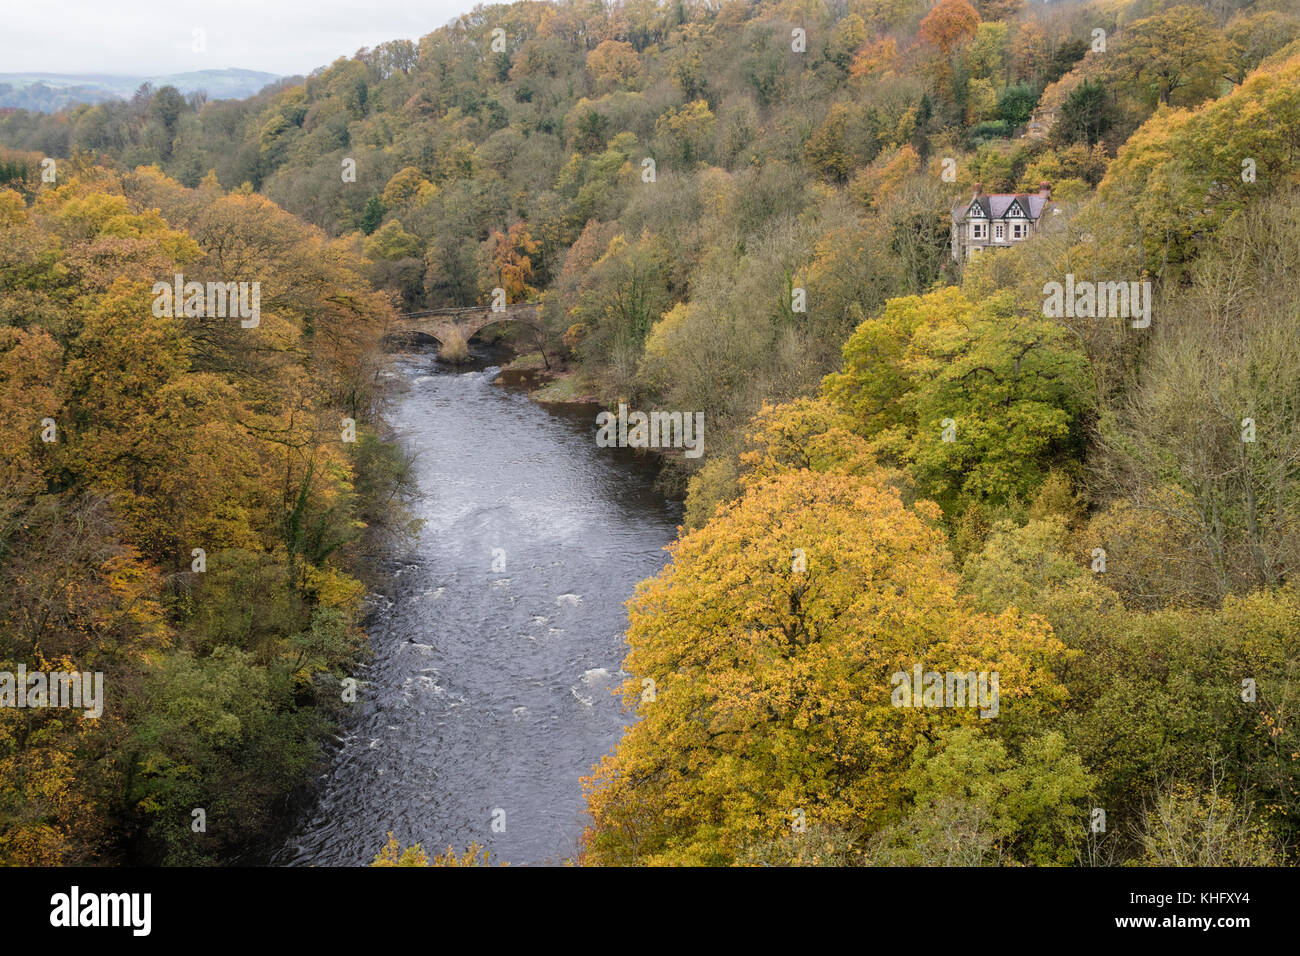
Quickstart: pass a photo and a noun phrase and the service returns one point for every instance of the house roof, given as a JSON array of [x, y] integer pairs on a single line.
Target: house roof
[[999, 205]]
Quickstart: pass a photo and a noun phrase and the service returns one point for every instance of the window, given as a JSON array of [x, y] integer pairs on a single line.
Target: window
[[997, 233], [977, 230], [1017, 230]]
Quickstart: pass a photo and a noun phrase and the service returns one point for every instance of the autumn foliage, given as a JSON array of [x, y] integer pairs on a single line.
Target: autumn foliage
[[770, 676], [712, 220], [135, 441]]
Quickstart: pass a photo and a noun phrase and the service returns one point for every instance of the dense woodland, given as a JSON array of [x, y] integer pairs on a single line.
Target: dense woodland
[[172, 435], [516, 159]]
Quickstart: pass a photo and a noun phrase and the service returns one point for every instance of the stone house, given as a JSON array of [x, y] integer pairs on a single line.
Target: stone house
[[996, 220]]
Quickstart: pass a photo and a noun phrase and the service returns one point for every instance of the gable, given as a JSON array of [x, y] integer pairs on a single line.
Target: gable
[[975, 211], [1015, 209]]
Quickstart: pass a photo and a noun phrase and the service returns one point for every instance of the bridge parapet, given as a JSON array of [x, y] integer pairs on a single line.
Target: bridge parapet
[[438, 323]]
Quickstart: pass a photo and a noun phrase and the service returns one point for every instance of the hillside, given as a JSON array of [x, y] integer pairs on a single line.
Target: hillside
[[746, 210], [51, 92]]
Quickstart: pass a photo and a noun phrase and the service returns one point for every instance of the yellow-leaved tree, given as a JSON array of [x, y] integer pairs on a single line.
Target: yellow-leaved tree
[[762, 660]]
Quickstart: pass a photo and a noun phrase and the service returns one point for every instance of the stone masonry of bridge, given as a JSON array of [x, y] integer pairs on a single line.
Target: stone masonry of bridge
[[439, 322]]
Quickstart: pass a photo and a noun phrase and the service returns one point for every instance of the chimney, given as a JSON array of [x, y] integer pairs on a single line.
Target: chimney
[[1045, 190], [979, 191]]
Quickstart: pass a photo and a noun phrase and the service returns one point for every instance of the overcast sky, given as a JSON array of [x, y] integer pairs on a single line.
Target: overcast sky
[[150, 37]]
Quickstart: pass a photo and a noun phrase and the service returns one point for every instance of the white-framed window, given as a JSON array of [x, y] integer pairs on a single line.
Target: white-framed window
[[997, 233], [1017, 230], [977, 230]]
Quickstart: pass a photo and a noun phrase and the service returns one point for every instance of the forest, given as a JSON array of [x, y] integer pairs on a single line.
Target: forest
[[743, 209]]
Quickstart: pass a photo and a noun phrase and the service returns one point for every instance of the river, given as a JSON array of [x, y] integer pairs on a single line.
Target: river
[[495, 653]]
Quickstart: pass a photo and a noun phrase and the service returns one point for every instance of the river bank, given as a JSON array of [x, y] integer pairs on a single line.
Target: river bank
[[553, 384]]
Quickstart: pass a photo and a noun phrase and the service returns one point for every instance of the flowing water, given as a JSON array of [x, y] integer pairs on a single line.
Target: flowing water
[[489, 693]]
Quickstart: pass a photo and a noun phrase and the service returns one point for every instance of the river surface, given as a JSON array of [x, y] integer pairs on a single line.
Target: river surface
[[489, 693]]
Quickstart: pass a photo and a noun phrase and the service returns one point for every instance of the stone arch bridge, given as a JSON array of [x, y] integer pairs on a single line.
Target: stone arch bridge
[[438, 323]]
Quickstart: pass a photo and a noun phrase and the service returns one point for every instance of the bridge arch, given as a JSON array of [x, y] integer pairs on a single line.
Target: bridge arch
[[438, 323]]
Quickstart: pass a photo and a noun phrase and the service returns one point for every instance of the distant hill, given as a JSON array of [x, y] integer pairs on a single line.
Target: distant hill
[[50, 92]]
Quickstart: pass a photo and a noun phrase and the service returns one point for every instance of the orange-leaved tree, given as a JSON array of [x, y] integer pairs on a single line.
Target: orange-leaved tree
[[506, 263]]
